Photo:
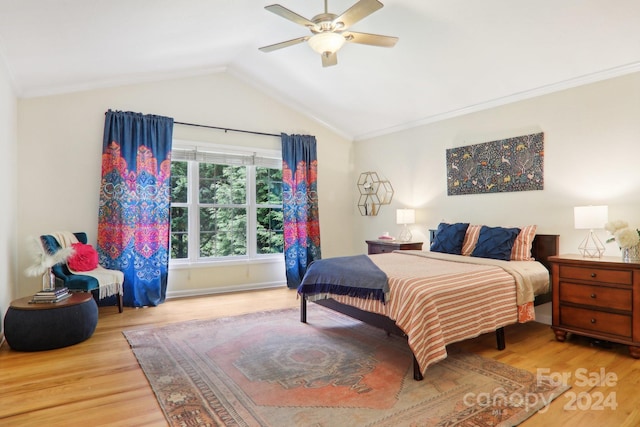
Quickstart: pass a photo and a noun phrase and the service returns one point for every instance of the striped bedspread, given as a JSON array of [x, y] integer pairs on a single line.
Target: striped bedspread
[[438, 301]]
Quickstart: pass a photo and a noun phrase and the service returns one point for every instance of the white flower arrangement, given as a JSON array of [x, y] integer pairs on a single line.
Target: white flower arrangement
[[43, 260], [622, 234]]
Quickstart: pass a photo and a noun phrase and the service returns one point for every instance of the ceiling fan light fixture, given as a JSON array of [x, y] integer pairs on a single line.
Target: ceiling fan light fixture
[[326, 42], [329, 32]]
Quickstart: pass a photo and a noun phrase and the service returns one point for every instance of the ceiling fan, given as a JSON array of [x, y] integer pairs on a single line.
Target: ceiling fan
[[329, 31]]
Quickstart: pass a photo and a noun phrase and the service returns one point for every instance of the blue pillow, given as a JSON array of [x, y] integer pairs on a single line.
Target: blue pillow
[[449, 238], [495, 242]]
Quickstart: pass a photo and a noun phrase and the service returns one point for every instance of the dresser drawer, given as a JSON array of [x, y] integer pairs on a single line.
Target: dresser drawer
[[384, 247], [598, 296], [622, 277], [596, 321], [381, 249]]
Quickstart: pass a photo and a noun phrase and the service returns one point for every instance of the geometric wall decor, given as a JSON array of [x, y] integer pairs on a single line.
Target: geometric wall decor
[[513, 164], [374, 192]]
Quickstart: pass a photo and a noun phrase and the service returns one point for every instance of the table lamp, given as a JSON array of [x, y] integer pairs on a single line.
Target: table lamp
[[404, 217], [590, 218]]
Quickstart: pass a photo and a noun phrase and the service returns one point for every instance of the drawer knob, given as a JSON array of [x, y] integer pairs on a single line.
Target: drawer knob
[[593, 320], [593, 274], [593, 296]]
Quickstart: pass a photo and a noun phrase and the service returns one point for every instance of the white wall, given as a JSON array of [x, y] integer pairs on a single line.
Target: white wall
[[8, 193], [61, 143], [592, 152], [591, 156]]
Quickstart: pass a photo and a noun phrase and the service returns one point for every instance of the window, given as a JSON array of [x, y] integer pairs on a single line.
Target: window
[[225, 204]]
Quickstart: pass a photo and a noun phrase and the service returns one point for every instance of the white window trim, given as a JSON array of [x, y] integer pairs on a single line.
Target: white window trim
[[274, 159]]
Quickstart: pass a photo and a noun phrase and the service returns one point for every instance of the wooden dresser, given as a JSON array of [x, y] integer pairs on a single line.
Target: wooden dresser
[[382, 247], [598, 298]]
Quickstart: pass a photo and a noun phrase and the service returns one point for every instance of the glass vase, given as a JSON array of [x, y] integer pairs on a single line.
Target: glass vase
[[631, 254], [48, 280]]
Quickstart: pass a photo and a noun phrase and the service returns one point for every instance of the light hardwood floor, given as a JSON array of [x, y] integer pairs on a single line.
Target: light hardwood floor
[[99, 381]]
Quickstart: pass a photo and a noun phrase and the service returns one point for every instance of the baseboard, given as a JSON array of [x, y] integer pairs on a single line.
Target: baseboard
[[224, 290]]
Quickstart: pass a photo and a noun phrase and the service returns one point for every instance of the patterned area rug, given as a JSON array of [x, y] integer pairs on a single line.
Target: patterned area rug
[[268, 369]]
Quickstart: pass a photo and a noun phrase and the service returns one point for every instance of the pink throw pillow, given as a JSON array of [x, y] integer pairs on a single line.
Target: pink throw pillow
[[84, 258]]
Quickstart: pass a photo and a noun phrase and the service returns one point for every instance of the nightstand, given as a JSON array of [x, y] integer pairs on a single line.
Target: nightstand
[[598, 298], [383, 247]]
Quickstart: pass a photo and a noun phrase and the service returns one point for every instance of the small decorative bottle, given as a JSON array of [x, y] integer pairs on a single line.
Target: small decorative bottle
[[48, 280]]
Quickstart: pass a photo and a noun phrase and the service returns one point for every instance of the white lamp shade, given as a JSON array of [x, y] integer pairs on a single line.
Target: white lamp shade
[[326, 42], [590, 217], [405, 216]]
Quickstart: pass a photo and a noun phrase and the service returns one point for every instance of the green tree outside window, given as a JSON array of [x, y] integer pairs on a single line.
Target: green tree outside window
[[223, 208]]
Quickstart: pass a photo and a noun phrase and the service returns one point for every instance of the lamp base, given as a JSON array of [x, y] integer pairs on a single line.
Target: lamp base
[[405, 234], [591, 246]]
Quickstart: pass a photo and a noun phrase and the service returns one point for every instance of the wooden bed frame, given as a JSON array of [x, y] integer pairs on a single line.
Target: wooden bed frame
[[544, 246]]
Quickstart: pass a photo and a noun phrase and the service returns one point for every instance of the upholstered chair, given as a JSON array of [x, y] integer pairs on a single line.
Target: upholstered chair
[[84, 281]]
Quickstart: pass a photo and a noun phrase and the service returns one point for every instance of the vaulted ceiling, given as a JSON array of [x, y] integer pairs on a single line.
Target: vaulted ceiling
[[452, 57]]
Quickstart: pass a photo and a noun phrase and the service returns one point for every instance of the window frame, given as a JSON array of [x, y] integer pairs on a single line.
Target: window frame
[[260, 158]]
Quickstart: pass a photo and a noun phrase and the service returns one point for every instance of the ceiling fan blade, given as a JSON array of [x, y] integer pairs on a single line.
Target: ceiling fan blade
[[358, 11], [329, 59], [370, 39], [290, 15], [281, 45]]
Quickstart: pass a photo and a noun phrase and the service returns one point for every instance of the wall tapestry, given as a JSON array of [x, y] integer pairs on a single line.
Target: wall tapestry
[[513, 164]]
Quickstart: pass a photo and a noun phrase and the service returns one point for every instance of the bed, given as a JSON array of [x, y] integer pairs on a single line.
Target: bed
[[434, 299]]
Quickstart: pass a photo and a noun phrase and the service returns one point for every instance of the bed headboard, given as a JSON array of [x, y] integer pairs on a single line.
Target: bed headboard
[[543, 246]]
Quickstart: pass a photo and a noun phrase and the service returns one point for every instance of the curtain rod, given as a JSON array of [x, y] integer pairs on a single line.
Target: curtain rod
[[224, 129], [227, 129]]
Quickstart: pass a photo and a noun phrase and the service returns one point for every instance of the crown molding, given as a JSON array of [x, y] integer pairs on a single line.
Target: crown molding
[[123, 80], [509, 99]]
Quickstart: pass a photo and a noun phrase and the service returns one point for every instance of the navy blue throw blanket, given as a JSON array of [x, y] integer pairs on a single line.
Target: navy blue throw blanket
[[355, 276]]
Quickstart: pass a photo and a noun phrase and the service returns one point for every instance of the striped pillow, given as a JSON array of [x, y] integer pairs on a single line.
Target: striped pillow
[[470, 239], [521, 250]]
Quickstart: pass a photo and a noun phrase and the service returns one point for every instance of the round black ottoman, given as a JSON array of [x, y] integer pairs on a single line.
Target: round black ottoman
[[35, 327]]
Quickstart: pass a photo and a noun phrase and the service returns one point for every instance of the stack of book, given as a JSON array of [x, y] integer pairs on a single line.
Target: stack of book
[[50, 296]]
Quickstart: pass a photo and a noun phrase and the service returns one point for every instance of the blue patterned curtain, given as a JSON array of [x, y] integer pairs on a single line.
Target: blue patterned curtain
[[300, 203], [135, 196]]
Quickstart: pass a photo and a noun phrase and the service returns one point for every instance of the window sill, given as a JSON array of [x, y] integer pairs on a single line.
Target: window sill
[[178, 265]]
